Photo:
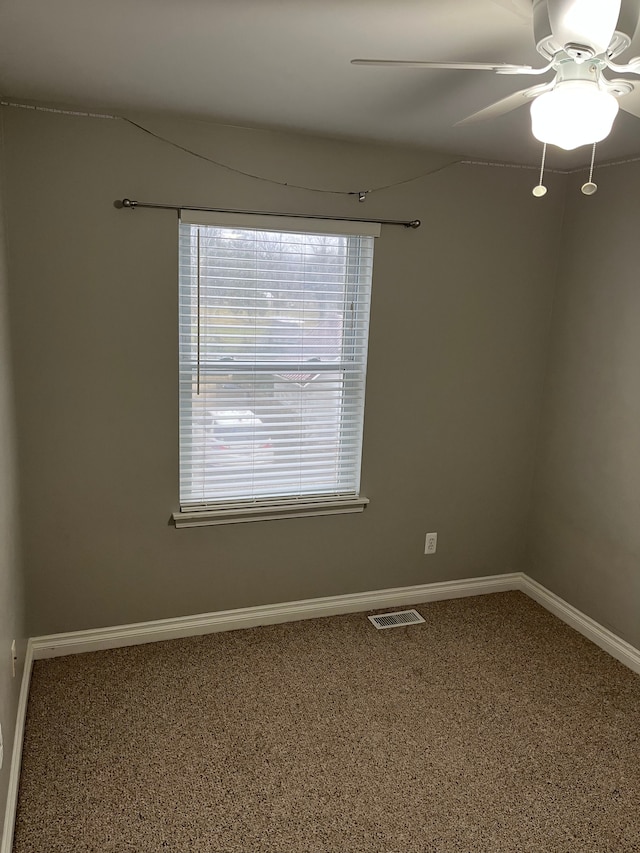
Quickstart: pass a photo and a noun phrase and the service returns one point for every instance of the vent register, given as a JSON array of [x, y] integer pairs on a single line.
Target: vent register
[[395, 620]]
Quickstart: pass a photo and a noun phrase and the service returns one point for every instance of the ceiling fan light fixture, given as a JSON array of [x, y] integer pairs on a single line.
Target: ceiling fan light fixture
[[574, 113]]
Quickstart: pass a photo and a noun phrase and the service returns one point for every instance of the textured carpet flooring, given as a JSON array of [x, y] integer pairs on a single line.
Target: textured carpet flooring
[[491, 728]]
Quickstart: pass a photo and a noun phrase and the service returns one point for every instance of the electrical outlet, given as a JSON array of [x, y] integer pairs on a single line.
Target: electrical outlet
[[430, 543], [14, 658]]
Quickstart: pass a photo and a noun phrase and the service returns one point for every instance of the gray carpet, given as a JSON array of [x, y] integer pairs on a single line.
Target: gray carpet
[[492, 727]]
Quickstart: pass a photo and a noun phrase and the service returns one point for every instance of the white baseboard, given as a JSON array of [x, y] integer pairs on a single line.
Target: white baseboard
[[6, 844], [589, 628], [75, 642], [97, 639]]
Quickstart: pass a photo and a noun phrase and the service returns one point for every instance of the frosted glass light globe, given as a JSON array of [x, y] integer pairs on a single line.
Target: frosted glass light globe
[[576, 112]]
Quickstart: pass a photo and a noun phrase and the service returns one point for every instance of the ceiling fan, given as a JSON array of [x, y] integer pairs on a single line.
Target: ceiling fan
[[579, 39]]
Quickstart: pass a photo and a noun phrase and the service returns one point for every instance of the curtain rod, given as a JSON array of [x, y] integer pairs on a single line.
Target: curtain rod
[[131, 204]]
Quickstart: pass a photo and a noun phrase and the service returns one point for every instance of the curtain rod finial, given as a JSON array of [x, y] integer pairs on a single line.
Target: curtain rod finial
[[127, 202]]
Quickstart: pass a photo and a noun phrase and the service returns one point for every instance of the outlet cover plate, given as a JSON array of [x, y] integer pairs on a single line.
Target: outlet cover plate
[[430, 543]]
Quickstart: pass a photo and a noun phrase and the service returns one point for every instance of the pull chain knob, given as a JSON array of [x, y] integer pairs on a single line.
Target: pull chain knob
[[539, 190]]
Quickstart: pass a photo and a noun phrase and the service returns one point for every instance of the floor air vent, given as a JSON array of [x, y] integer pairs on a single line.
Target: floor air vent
[[396, 620]]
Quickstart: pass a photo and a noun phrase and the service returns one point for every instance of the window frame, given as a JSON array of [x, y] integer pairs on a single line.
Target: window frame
[[262, 508]]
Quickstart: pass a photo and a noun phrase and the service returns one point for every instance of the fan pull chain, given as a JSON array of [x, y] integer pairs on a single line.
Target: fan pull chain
[[590, 187], [539, 190]]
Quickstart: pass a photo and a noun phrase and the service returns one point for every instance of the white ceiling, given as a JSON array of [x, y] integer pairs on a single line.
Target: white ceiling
[[285, 64]]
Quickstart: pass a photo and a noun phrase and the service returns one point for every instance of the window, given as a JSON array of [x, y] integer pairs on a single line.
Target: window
[[273, 346]]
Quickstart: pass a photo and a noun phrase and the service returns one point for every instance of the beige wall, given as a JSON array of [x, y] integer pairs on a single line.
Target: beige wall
[[11, 621], [585, 531], [458, 339]]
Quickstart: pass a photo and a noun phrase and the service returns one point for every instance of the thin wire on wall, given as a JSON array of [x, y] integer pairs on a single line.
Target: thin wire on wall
[[360, 193]]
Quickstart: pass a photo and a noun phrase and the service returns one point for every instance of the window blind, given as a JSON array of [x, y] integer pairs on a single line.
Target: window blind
[[273, 348]]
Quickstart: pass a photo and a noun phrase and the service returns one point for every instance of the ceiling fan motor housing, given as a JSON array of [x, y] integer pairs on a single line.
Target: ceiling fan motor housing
[[555, 30]]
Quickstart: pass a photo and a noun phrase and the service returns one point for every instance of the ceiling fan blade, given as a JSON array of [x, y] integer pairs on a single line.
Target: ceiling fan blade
[[631, 103], [511, 102], [499, 67], [584, 22]]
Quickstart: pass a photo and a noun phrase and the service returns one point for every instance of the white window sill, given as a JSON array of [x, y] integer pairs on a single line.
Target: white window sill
[[268, 512]]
